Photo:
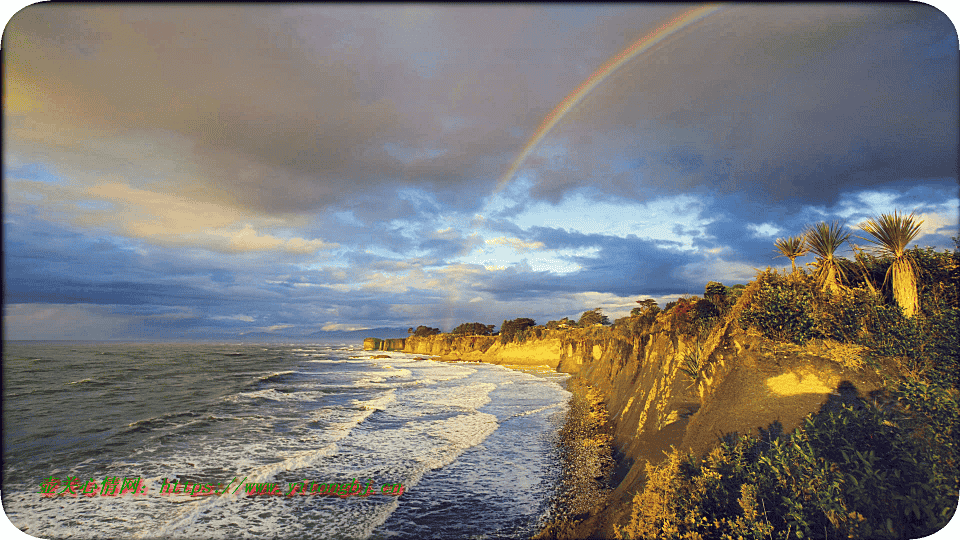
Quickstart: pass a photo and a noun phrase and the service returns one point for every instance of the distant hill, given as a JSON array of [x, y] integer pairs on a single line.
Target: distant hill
[[338, 336], [358, 335]]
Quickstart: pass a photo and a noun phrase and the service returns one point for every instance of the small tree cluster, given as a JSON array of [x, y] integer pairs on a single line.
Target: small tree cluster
[[717, 293], [592, 317], [473, 329], [648, 309], [562, 323], [423, 331], [515, 329], [640, 319]]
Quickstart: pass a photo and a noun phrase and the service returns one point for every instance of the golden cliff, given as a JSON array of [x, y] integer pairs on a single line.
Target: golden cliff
[[743, 382]]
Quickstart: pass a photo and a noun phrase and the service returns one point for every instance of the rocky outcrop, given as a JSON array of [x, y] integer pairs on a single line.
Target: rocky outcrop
[[377, 344], [744, 382]]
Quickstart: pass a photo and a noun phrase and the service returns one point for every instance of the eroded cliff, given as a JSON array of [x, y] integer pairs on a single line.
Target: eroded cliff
[[739, 382]]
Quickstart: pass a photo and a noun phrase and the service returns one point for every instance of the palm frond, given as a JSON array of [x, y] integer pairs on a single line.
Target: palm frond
[[693, 364], [891, 233], [824, 240], [791, 247]]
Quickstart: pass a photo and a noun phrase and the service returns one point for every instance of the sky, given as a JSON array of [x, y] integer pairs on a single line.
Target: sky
[[229, 172]]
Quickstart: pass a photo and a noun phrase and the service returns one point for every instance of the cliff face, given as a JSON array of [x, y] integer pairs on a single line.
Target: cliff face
[[545, 350], [745, 382], [377, 344]]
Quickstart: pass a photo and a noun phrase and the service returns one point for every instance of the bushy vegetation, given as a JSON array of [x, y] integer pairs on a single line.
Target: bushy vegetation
[[887, 466], [592, 317], [781, 307], [857, 469], [515, 330], [694, 316], [473, 329], [796, 308], [423, 331], [562, 323]]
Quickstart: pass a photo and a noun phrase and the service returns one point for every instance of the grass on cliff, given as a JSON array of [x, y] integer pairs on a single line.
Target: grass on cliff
[[886, 466]]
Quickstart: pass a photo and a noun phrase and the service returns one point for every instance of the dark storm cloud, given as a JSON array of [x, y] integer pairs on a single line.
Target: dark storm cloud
[[293, 110], [299, 110], [788, 102], [210, 170]]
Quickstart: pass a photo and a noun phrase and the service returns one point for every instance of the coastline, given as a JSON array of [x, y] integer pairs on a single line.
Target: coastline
[[587, 464], [586, 455]]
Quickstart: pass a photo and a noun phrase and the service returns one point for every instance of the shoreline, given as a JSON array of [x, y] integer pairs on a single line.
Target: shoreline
[[587, 466], [587, 462]]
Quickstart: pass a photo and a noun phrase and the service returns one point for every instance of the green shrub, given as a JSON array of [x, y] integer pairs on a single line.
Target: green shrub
[[424, 331], [892, 334], [780, 308], [592, 317], [942, 332], [717, 293], [734, 292], [842, 316], [855, 469], [683, 314], [632, 326]]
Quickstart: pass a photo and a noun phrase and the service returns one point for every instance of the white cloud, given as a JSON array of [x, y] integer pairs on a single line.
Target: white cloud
[[242, 318], [519, 245], [939, 223], [718, 269], [276, 327], [161, 218], [342, 327], [764, 230]]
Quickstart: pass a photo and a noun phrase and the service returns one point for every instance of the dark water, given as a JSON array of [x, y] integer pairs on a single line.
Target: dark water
[[472, 444]]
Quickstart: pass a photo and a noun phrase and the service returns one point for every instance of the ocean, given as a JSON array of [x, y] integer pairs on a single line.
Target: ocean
[[398, 447]]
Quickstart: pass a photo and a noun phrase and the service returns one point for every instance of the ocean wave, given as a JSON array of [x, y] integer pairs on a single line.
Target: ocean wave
[[276, 376]]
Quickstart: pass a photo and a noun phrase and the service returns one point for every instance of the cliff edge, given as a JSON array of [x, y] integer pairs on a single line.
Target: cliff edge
[[663, 388]]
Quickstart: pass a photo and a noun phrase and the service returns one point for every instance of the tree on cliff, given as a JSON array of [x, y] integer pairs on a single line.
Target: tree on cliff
[[592, 317], [424, 331], [474, 329], [716, 292], [562, 323], [646, 306], [511, 329]]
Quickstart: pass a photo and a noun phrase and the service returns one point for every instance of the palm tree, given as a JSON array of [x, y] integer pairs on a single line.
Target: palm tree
[[791, 248], [891, 234], [824, 240]]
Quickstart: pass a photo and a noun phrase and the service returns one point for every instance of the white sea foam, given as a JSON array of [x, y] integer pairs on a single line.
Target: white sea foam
[[276, 374], [273, 395], [398, 420], [471, 396]]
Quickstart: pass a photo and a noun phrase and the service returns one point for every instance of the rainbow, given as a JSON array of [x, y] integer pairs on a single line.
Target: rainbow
[[643, 44]]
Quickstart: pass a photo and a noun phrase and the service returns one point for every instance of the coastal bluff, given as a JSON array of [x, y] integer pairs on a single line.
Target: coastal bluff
[[545, 350], [745, 382]]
